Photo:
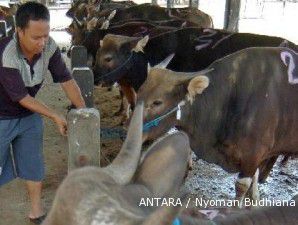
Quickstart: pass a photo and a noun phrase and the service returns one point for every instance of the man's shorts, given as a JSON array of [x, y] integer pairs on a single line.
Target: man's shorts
[[25, 137]]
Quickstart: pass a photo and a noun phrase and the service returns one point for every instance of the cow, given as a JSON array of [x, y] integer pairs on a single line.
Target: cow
[[81, 9], [195, 49], [112, 195], [91, 39], [240, 111], [156, 13], [187, 16]]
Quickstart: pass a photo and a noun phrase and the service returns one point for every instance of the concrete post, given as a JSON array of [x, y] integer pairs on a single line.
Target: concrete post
[[83, 138], [78, 56], [85, 80]]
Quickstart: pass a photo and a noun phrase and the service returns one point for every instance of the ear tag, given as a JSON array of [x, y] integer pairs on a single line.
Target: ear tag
[[178, 113]]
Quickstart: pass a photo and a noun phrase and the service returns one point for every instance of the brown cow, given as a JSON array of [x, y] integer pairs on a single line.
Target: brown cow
[[239, 113]]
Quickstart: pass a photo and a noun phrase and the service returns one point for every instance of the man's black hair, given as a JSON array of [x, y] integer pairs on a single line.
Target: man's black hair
[[31, 11]]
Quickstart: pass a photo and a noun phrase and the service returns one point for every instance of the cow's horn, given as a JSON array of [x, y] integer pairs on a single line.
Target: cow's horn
[[163, 64], [124, 166], [79, 23], [178, 79], [112, 15], [105, 25]]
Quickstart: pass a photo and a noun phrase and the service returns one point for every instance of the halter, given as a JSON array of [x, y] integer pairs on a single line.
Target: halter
[[117, 73], [154, 123]]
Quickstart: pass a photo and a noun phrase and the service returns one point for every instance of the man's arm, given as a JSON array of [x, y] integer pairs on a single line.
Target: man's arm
[[34, 105], [73, 93]]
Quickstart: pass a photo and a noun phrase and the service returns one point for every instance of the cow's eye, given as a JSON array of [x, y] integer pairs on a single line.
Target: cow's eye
[[108, 58], [157, 103]]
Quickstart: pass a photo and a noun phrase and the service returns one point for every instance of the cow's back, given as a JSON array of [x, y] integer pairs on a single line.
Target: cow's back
[[196, 48]]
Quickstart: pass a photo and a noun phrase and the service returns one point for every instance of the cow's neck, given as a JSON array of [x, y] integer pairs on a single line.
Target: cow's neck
[[137, 73], [204, 120]]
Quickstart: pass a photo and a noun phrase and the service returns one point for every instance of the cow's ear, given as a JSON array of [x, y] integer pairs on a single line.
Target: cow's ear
[[91, 25], [105, 25], [140, 44], [69, 30], [196, 86], [112, 14]]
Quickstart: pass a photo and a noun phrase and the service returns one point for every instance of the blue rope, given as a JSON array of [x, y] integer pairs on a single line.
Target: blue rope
[[154, 123], [177, 221]]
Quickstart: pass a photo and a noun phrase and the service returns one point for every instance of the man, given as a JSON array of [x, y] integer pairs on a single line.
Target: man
[[25, 59]]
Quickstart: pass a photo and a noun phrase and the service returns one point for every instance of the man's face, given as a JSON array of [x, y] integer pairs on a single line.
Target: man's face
[[34, 37]]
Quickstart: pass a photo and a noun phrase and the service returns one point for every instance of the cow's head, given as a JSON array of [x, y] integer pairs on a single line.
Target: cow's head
[[162, 91], [77, 30], [115, 54]]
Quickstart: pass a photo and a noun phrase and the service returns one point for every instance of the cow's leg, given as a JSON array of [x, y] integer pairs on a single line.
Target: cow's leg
[[241, 186], [164, 167], [120, 111], [255, 195], [265, 168], [249, 174], [131, 97]]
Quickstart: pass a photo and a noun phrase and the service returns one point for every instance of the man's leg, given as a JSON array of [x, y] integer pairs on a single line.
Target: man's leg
[[7, 133], [27, 148], [34, 192], [6, 165]]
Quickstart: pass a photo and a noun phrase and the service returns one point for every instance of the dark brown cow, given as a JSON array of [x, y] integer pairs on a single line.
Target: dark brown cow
[[81, 9], [239, 114]]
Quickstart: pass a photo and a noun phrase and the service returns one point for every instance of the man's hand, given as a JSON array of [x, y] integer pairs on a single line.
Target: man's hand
[[61, 123], [36, 106]]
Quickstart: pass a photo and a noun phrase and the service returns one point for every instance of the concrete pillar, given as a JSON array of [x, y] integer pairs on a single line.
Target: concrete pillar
[[78, 56], [83, 138], [85, 80]]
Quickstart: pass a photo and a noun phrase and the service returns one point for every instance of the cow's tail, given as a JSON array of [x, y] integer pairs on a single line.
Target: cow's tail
[[290, 59]]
